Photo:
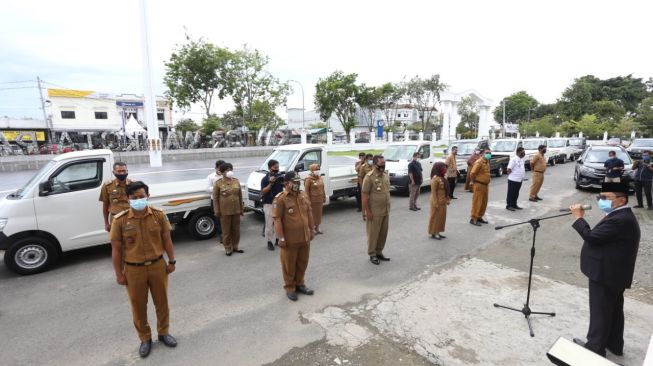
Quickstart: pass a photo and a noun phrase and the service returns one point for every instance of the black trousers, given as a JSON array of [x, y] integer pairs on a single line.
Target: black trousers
[[646, 186], [513, 193], [606, 319], [358, 197], [452, 185]]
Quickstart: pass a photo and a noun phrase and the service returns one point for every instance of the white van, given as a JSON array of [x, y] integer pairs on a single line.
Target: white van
[[530, 146], [58, 210], [399, 154], [339, 181], [561, 148]]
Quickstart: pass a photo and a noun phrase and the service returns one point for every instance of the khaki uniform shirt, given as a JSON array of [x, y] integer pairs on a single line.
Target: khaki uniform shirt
[[452, 166], [538, 164], [315, 189], [294, 212], [227, 197], [377, 186], [114, 194], [364, 169], [141, 237], [481, 171]]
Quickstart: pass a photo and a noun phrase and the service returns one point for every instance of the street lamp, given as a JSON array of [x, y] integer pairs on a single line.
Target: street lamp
[[303, 110]]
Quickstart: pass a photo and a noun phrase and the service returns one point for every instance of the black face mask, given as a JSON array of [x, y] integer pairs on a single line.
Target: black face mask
[[380, 167], [120, 177], [544, 151], [274, 171]]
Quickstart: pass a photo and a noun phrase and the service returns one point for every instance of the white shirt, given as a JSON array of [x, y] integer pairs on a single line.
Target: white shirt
[[211, 179], [517, 170]]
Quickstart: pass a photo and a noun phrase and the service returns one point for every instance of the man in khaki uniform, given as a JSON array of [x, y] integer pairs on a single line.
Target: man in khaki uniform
[[139, 236], [470, 163], [112, 194], [376, 207], [293, 223], [452, 170], [479, 181], [365, 168], [538, 167], [228, 208]]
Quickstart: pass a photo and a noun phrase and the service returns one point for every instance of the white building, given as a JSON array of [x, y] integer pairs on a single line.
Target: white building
[[88, 112], [449, 102]]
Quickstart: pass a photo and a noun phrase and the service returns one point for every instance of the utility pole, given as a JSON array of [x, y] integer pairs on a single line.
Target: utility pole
[[149, 105], [503, 126], [45, 113]]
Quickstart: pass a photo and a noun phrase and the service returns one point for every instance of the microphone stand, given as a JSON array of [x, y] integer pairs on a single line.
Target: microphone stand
[[526, 310]]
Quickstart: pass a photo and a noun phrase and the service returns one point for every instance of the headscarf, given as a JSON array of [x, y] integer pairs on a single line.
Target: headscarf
[[440, 169], [313, 168]]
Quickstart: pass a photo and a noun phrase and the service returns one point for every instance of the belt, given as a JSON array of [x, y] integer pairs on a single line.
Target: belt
[[538, 171], [146, 263], [482, 183]]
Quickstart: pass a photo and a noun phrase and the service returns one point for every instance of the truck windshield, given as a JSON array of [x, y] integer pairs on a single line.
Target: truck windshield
[[642, 143], [533, 144], [600, 156], [504, 146], [466, 148], [284, 157], [399, 152], [576, 142], [556, 143], [34, 181]]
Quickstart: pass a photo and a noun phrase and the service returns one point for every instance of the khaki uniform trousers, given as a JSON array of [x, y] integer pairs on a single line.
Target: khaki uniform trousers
[[294, 261], [414, 193], [230, 231], [377, 232], [140, 280], [479, 200], [538, 180]]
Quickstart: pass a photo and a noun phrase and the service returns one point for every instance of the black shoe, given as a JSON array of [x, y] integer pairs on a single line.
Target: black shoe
[[305, 290], [168, 340], [375, 260], [454, 198], [418, 208], [538, 198], [383, 258], [482, 221], [442, 236], [292, 296], [436, 237], [517, 207], [229, 254], [413, 209], [239, 251], [638, 206], [509, 208], [579, 342], [533, 199], [145, 348], [474, 222], [276, 242], [270, 246]]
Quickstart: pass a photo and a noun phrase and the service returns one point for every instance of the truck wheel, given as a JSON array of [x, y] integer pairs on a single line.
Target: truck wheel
[[31, 255], [499, 171], [553, 162], [203, 225]]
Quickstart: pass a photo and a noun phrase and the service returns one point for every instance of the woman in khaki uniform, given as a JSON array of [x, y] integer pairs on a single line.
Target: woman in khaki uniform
[[228, 207], [439, 200], [314, 187]]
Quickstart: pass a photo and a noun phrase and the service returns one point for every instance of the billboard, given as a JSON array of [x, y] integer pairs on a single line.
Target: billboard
[[11, 135]]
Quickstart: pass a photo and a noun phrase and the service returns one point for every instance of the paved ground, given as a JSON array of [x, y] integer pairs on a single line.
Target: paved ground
[[232, 310]]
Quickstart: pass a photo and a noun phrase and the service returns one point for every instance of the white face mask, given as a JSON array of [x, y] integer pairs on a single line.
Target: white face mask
[[316, 173], [229, 174]]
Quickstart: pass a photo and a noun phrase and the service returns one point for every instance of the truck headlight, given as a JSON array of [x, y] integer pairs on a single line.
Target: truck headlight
[[587, 170], [3, 223], [401, 173]]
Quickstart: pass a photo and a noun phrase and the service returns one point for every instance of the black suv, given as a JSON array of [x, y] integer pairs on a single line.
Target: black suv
[[638, 146], [590, 172], [498, 163]]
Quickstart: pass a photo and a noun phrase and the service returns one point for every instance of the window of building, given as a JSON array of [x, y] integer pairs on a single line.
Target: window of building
[[68, 114], [159, 116], [398, 115], [405, 114], [101, 115]]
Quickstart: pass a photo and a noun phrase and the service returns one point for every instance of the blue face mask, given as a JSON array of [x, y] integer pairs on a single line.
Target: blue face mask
[[488, 156], [138, 204], [646, 158], [605, 205], [369, 162]]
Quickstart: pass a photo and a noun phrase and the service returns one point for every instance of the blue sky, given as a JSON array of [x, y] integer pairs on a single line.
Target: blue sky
[[495, 47]]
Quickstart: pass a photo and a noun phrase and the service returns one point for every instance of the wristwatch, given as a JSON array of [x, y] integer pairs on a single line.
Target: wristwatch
[[282, 239], [173, 262]]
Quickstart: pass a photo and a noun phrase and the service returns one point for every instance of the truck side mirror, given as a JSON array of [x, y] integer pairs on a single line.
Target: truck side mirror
[[299, 167], [45, 188]]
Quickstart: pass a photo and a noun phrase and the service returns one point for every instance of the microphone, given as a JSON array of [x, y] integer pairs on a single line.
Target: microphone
[[585, 207]]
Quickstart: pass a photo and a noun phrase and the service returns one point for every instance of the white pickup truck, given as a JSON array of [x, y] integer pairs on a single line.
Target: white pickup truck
[[562, 149], [399, 154], [339, 181], [58, 210]]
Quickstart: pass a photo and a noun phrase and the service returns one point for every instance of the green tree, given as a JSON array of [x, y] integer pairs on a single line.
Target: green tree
[[210, 124], [197, 72], [591, 126], [624, 128], [317, 125], [186, 125], [256, 91], [232, 120], [424, 95], [519, 107], [644, 116], [469, 118], [391, 95], [369, 99], [545, 126], [336, 94]]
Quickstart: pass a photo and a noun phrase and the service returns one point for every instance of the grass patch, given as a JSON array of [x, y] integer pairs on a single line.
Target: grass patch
[[354, 153]]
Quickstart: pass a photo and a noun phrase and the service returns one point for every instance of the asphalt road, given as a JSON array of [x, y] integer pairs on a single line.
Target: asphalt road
[[232, 310]]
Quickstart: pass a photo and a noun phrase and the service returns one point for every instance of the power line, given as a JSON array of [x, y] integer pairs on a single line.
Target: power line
[[18, 82], [19, 87]]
